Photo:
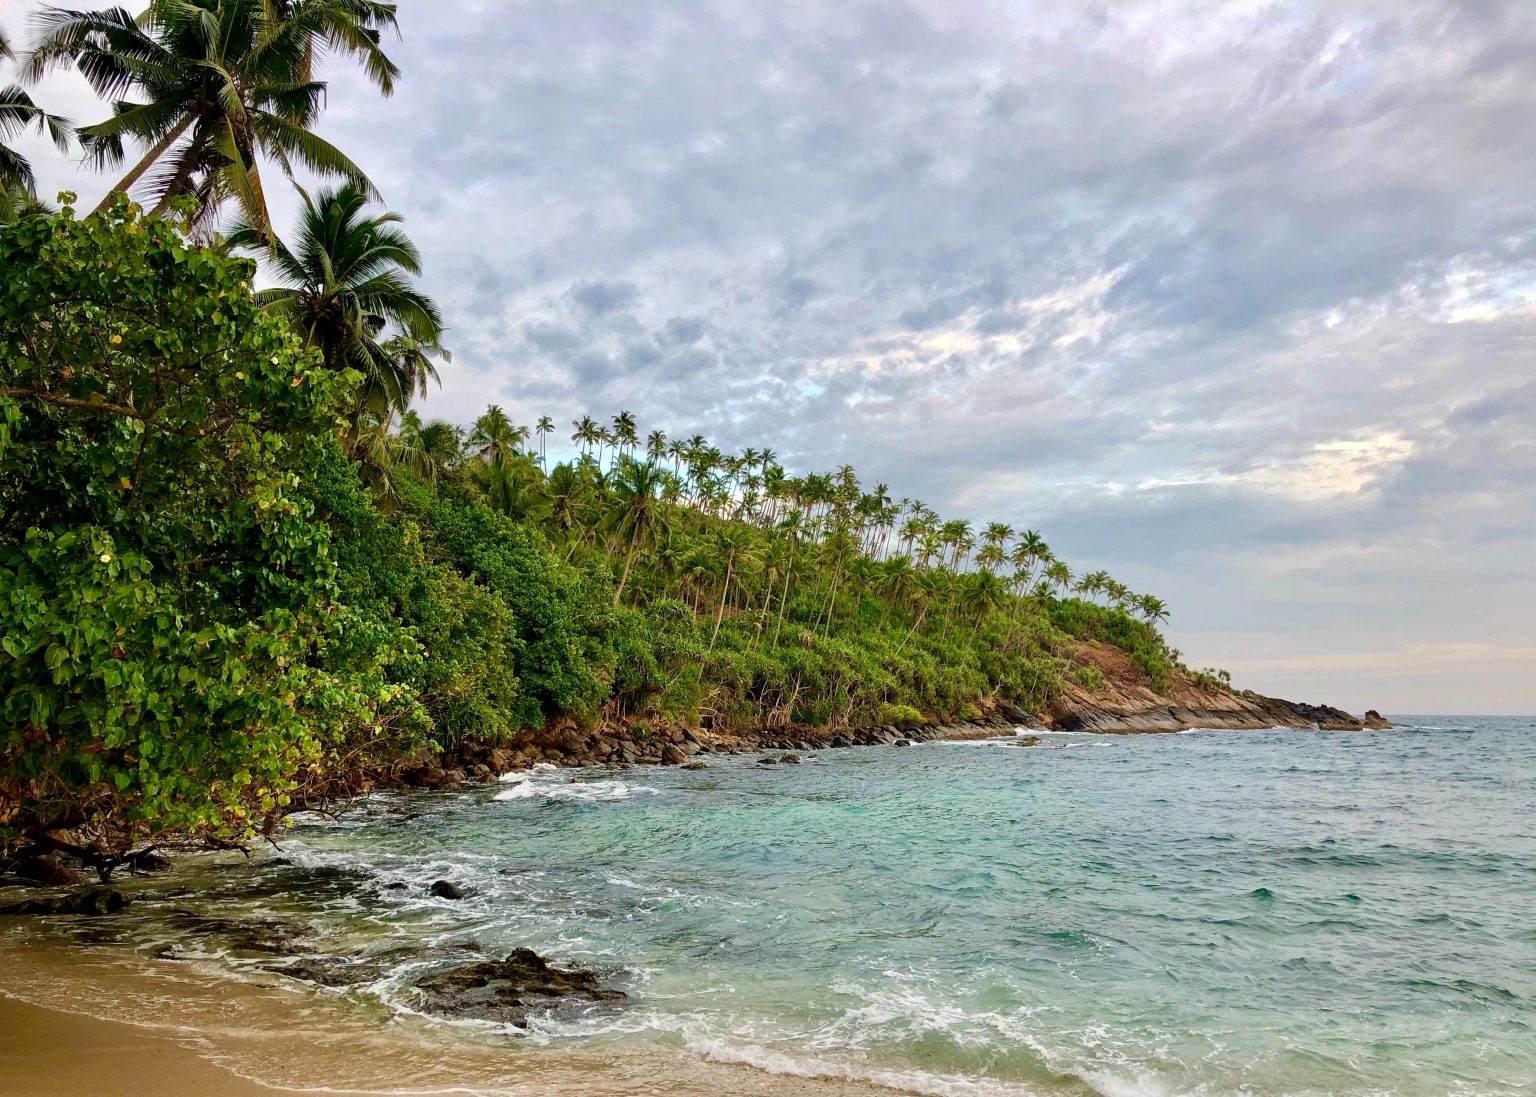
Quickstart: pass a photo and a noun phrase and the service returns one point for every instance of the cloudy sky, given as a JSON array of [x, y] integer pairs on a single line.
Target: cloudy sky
[[1236, 300]]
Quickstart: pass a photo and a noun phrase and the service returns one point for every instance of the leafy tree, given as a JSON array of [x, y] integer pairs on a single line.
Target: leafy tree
[[174, 652]]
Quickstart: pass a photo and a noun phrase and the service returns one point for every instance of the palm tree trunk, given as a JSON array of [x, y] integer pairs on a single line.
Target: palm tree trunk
[[720, 615], [915, 626], [143, 165], [629, 559], [783, 603]]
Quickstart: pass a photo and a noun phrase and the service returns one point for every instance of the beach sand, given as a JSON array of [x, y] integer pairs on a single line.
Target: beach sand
[[45, 1053], [101, 1022]]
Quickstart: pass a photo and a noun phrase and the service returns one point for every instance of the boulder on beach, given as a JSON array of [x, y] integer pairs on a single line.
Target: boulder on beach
[[507, 991]]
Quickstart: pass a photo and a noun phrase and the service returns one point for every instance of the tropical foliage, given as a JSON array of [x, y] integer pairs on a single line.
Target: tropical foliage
[[235, 562], [209, 88], [18, 113], [175, 651]]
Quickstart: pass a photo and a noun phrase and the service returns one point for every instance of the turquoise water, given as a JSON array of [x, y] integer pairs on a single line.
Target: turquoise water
[[1282, 912]]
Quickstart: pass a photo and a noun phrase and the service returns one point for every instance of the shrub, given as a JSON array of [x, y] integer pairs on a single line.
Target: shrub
[[174, 652], [902, 716], [1089, 677]]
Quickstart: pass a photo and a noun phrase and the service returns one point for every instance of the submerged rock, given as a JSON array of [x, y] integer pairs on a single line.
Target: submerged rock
[[48, 870], [695, 765], [790, 759], [446, 889], [508, 990], [96, 902], [768, 760]]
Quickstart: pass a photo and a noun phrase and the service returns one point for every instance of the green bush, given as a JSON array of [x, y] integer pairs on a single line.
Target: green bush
[[174, 651], [1089, 677], [902, 716]]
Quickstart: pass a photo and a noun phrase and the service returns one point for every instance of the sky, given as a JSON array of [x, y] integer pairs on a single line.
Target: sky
[[1234, 300]]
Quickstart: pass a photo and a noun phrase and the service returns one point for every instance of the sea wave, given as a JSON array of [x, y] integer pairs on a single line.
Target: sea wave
[[576, 790]]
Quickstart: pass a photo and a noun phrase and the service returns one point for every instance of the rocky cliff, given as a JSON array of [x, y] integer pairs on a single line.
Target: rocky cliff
[[1125, 701]]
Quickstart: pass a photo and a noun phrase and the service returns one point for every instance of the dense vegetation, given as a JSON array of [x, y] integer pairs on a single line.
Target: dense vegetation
[[235, 563]]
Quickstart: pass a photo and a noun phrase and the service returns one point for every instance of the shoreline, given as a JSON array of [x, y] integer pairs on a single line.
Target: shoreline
[[49, 1052], [183, 1031]]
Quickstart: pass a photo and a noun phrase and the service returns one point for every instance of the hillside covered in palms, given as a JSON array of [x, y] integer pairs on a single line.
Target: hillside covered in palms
[[239, 570]]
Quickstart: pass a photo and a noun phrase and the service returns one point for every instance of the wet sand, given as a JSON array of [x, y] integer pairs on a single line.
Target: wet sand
[[45, 1053], [103, 1022]]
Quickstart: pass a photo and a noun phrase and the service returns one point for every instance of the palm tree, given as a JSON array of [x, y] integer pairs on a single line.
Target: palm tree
[[545, 427], [514, 488], [587, 432], [430, 448], [1154, 610], [16, 202], [731, 545], [17, 114], [224, 84], [625, 433], [492, 432], [980, 594], [345, 286], [636, 486]]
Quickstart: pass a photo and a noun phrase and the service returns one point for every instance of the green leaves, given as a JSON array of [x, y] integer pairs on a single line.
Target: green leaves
[[169, 643]]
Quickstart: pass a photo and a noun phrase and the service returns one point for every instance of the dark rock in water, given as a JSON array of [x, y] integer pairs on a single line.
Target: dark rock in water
[[673, 755], [1375, 721], [902, 743], [790, 759], [150, 861], [1031, 741], [445, 889], [47, 870], [328, 971], [695, 765], [397, 885], [768, 760], [269, 936], [94, 903], [506, 991]]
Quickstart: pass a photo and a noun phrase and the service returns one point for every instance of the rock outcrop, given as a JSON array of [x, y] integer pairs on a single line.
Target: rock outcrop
[[507, 991]]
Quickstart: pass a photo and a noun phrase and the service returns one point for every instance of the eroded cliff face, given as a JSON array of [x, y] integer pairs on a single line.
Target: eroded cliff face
[[1126, 702]]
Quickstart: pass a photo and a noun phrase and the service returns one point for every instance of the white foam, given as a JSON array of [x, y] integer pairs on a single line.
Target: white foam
[[720, 1049], [582, 792]]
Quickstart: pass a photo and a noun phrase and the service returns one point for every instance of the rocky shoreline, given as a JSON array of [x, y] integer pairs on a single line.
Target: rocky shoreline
[[686, 746], [689, 747]]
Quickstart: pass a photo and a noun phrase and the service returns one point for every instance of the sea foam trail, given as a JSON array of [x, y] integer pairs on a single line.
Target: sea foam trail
[[544, 782], [595, 792]]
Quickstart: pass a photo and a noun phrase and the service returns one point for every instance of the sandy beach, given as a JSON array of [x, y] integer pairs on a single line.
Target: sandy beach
[[48, 1053], [186, 1032]]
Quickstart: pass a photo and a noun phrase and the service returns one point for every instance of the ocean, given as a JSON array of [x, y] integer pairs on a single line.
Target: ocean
[[1216, 912]]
